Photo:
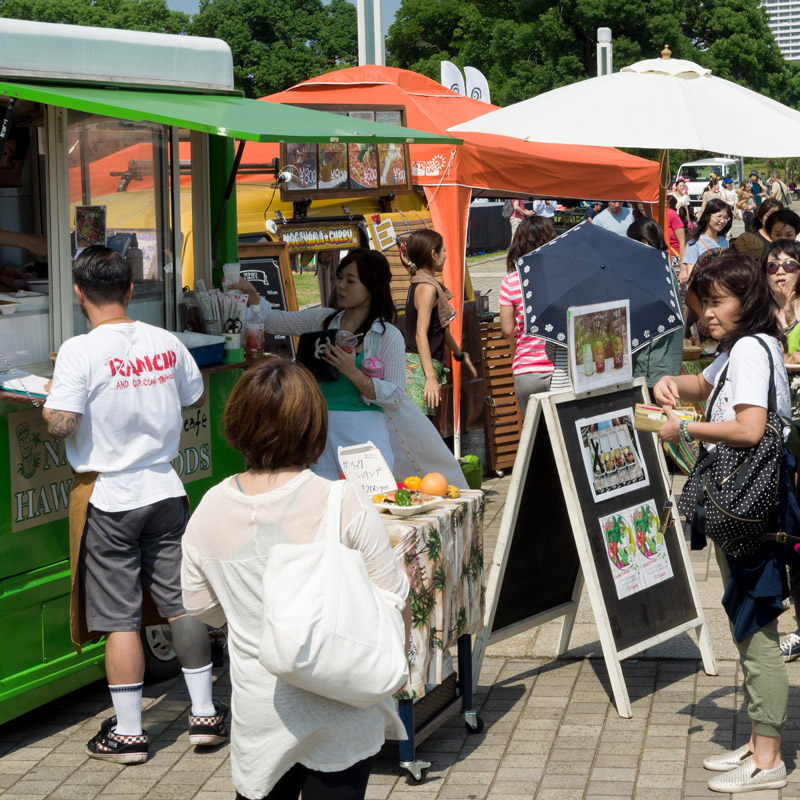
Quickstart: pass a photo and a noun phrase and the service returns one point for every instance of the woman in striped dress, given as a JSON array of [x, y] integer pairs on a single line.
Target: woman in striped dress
[[533, 368]]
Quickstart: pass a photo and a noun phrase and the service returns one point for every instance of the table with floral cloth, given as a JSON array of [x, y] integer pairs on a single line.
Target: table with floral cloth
[[442, 552]]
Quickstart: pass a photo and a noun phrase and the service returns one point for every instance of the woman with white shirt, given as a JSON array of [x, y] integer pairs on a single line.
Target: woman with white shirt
[[284, 740], [739, 310], [361, 407]]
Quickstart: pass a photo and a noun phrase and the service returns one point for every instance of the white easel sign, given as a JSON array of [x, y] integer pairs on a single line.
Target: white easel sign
[[364, 465]]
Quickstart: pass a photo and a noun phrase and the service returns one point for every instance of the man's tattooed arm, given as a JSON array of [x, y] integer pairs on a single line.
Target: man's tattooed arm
[[61, 424]]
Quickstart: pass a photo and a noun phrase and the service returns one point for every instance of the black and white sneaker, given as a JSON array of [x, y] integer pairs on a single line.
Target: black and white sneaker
[[209, 731], [109, 746]]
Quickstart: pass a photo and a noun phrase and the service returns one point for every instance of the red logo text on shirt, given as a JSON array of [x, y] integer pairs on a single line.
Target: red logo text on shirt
[[156, 363]]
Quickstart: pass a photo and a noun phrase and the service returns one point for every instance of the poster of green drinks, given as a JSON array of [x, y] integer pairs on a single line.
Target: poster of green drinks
[[599, 343]]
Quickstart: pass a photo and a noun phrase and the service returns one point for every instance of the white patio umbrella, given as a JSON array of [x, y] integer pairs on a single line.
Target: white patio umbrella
[[661, 103]]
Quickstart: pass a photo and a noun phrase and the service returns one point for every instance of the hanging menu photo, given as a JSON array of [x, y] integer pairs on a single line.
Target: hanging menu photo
[[612, 455], [637, 554]]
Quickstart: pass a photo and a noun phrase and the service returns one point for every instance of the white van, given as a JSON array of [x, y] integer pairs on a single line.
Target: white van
[[696, 175]]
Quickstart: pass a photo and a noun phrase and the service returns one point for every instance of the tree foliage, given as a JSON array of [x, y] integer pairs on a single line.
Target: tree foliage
[[277, 43], [133, 15], [525, 47]]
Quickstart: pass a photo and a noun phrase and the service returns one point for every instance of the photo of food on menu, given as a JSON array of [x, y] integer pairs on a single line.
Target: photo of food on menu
[[612, 456]]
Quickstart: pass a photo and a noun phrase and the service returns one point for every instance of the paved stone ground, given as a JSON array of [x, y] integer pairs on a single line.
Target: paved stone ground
[[551, 733]]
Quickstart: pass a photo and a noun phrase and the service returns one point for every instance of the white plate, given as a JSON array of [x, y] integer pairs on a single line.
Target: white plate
[[409, 511]]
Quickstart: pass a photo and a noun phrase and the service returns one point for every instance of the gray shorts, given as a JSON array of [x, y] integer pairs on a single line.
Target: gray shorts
[[125, 550]]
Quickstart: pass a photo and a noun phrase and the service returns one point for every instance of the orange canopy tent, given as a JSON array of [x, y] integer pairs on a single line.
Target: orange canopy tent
[[485, 163]]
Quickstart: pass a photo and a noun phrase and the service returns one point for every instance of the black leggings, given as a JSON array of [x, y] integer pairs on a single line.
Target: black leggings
[[349, 784]]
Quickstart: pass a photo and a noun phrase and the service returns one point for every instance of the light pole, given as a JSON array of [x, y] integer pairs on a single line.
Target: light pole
[[370, 32], [605, 55]]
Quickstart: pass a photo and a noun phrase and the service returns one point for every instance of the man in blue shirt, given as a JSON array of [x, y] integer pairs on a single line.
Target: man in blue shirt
[[757, 188]]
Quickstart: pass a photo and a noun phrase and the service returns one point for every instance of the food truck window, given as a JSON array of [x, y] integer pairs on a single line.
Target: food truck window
[[119, 193], [24, 317]]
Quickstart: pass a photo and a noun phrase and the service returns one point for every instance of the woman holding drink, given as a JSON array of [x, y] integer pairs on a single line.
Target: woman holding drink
[[368, 401]]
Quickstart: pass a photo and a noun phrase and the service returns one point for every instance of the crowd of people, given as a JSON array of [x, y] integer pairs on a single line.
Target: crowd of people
[[741, 292], [131, 534]]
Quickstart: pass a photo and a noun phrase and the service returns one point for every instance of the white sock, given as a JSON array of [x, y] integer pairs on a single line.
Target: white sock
[[198, 682], [127, 700]]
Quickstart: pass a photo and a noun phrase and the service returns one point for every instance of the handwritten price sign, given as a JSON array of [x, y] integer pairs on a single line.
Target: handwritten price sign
[[365, 466]]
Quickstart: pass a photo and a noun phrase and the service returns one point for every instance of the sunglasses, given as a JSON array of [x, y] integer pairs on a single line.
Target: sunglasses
[[787, 266]]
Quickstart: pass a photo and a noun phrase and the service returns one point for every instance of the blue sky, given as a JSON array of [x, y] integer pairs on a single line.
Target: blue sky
[[390, 8]]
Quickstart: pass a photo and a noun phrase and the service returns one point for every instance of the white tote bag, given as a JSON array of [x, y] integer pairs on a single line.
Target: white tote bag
[[327, 628]]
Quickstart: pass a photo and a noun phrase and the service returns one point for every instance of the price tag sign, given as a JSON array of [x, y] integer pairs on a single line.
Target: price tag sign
[[365, 466]]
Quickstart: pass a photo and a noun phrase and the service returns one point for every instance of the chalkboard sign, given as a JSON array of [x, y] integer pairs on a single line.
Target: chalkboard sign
[[586, 503], [266, 266]]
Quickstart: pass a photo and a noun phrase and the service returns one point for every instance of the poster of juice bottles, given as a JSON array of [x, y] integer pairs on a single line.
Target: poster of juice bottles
[[635, 547], [612, 455], [599, 345]]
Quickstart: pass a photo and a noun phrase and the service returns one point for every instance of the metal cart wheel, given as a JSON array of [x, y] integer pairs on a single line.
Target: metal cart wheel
[[472, 722], [416, 770]]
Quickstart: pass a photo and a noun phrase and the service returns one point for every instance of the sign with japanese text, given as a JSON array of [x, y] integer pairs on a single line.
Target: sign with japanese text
[[41, 477]]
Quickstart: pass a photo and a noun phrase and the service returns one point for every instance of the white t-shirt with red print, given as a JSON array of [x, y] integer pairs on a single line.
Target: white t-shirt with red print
[[129, 380], [529, 355]]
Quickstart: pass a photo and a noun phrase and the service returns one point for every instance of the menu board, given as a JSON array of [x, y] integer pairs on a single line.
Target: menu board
[[341, 170], [301, 163], [363, 160], [332, 165]]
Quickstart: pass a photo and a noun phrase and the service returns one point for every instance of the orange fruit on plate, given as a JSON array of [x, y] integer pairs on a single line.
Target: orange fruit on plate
[[434, 483]]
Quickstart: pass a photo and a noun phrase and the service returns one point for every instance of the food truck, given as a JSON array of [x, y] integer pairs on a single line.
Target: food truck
[[69, 98]]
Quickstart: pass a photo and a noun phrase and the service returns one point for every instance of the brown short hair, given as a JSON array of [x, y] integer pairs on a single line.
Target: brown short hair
[[276, 416]]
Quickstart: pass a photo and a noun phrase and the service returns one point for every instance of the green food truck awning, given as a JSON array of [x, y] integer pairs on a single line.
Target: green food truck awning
[[224, 115]]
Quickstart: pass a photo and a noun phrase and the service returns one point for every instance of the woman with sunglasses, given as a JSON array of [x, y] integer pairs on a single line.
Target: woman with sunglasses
[[780, 262], [709, 234]]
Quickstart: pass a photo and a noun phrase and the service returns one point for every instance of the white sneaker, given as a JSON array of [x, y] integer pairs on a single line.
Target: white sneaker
[[725, 762], [749, 778], [790, 646]]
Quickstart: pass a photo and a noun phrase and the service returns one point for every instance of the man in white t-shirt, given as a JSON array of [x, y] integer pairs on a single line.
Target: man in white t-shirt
[[116, 400], [545, 208], [616, 218]]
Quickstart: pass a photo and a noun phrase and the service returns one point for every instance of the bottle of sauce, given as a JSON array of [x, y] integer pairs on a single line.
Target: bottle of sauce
[[617, 352], [588, 360], [135, 259]]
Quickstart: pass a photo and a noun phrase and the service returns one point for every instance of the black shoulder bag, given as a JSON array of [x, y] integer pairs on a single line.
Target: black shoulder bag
[[731, 495]]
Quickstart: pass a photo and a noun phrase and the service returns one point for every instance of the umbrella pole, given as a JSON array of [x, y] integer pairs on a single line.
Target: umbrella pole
[[663, 180]]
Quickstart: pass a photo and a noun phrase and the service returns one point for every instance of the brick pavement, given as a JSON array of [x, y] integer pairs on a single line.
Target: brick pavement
[[551, 731]]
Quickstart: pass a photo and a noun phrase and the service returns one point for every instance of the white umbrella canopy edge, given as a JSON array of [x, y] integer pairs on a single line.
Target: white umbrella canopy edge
[[662, 104]]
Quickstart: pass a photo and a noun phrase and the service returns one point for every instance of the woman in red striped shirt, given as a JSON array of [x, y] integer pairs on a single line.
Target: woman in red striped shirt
[[532, 368]]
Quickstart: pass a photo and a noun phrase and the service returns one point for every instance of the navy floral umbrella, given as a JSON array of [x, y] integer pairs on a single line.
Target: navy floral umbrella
[[589, 264]]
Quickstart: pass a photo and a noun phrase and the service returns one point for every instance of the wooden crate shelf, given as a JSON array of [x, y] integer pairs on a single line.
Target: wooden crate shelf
[[502, 419]]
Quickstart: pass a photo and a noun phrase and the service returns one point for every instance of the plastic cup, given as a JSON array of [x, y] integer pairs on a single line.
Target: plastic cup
[[373, 367], [346, 340], [233, 341], [231, 273], [254, 341]]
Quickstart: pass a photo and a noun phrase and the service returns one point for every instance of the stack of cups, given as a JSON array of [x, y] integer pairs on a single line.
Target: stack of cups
[[230, 274]]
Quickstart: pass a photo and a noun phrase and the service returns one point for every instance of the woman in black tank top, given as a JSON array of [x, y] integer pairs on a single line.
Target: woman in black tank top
[[425, 332]]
